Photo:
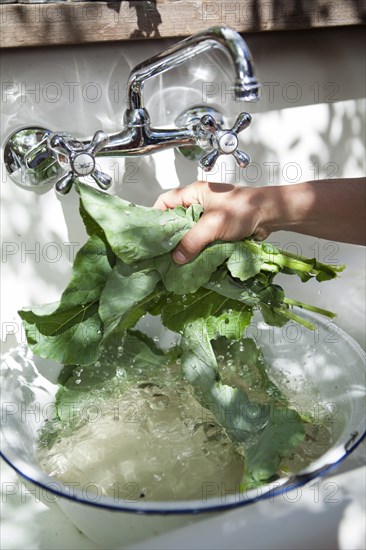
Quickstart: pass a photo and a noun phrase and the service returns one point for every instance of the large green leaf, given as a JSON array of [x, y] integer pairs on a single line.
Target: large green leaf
[[231, 406], [251, 292], [71, 330], [245, 262], [222, 315], [268, 429], [282, 435], [135, 232], [125, 290], [187, 278], [68, 335], [90, 272]]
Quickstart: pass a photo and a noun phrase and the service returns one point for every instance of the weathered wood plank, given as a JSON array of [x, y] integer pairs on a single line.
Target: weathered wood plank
[[82, 22]]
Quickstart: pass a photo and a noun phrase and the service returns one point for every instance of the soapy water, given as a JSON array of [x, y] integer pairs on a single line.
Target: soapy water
[[155, 442]]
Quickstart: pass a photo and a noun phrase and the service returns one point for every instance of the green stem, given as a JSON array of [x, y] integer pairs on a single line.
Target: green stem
[[291, 315], [282, 259], [292, 261], [318, 265], [273, 268], [309, 307]]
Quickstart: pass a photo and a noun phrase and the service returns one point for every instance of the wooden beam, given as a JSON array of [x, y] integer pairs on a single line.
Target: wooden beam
[[84, 22]]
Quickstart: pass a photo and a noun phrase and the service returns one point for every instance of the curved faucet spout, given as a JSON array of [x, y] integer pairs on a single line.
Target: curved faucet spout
[[246, 87]]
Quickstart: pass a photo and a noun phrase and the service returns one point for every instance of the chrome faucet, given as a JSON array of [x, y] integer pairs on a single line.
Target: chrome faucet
[[35, 156]]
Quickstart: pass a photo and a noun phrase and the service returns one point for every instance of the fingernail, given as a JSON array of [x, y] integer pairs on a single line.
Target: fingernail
[[179, 257]]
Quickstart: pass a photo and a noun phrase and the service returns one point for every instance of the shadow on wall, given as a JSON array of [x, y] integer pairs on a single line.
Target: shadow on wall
[[147, 15], [308, 12], [276, 14], [148, 18], [305, 143], [301, 144]]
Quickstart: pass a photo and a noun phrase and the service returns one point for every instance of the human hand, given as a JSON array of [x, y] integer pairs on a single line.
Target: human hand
[[328, 209], [230, 213]]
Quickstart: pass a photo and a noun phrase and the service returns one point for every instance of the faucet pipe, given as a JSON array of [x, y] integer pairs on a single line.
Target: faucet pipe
[[246, 87]]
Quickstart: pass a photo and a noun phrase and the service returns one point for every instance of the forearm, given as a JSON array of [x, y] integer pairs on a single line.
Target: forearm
[[329, 209]]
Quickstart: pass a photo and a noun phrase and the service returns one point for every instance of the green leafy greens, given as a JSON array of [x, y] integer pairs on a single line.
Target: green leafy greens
[[125, 270]]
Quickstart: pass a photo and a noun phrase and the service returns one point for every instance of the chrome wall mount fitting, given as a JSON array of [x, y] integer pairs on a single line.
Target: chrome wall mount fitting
[[206, 125], [36, 156], [80, 159]]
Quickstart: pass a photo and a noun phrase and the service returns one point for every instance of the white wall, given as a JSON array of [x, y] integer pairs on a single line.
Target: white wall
[[309, 123]]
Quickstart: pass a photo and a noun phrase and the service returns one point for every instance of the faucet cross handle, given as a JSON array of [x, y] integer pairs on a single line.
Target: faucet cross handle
[[79, 159], [225, 142]]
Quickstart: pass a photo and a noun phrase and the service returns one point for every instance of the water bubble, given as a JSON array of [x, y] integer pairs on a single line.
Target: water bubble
[[120, 372], [159, 402]]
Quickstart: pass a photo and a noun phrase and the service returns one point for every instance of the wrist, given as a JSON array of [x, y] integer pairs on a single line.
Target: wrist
[[270, 205], [285, 207]]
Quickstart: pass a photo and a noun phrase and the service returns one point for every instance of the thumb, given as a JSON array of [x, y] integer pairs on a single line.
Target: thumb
[[192, 243]]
